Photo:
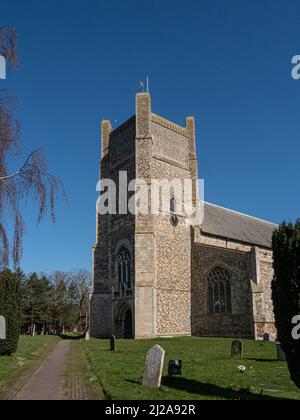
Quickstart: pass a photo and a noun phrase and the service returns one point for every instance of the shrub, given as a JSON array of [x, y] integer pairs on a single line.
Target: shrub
[[10, 309]]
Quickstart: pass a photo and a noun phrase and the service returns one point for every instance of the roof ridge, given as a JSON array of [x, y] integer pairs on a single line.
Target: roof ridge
[[240, 213]]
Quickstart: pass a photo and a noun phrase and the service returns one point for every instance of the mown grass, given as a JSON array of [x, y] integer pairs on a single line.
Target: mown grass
[[31, 351], [208, 370]]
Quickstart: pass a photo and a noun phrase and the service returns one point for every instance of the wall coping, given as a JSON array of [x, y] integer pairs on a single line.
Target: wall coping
[[170, 125]]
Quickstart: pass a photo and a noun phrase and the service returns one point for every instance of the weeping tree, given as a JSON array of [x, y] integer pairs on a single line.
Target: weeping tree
[[31, 182], [286, 292]]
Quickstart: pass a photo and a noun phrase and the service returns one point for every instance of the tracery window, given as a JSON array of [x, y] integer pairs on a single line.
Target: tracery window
[[123, 272], [219, 291]]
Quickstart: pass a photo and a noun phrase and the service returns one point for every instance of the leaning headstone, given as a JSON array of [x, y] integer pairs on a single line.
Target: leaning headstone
[[266, 337], [154, 367], [2, 328], [87, 336], [281, 357], [113, 343], [237, 349]]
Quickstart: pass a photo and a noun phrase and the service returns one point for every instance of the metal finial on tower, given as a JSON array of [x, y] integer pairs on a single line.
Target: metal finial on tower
[[142, 85]]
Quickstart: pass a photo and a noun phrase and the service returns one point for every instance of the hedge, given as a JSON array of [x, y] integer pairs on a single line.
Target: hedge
[[10, 309], [286, 292]]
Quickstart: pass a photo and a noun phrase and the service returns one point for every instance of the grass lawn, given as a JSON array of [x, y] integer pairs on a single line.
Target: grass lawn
[[31, 351], [208, 370]]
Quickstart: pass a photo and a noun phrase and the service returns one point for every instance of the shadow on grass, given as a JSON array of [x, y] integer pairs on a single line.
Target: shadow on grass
[[262, 360], [72, 337], [130, 381], [210, 390]]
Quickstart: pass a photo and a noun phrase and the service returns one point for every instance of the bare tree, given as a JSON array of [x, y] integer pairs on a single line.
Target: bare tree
[[8, 45], [32, 181], [82, 284]]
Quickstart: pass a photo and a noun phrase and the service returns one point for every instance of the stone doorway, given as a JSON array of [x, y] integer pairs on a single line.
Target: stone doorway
[[123, 324], [128, 325]]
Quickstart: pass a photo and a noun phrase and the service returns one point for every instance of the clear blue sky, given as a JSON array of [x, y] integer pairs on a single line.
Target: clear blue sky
[[228, 63]]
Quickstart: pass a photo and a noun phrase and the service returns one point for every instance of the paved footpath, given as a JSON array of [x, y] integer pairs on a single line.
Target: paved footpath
[[47, 382]]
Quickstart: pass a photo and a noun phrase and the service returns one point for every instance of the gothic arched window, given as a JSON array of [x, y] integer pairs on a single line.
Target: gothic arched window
[[219, 291], [123, 271]]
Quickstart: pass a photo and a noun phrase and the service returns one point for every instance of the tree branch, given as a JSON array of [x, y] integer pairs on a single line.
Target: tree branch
[[19, 172], [25, 169]]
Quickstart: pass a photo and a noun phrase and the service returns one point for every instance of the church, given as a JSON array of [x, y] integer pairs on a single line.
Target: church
[[155, 275]]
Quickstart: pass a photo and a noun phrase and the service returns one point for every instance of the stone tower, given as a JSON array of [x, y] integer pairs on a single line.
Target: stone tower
[[142, 262]]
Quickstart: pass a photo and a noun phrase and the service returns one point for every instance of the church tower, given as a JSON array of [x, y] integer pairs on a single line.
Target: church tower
[[142, 262]]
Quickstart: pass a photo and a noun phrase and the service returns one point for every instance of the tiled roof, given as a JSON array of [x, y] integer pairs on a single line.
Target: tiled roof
[[230, 224]]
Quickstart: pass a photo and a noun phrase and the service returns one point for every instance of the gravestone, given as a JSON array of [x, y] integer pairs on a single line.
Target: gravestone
[[273, 338], [113, 343], [2, 328], [237, 349], [266, 337], [154, 367], [281, 357], [87, 336]]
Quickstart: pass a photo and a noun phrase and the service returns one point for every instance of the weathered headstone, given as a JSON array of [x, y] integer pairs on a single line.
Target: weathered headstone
[[154, 367], [2, 328], [281, 357], [113, 343], [237, 349], [87, 336], [266, 337]]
